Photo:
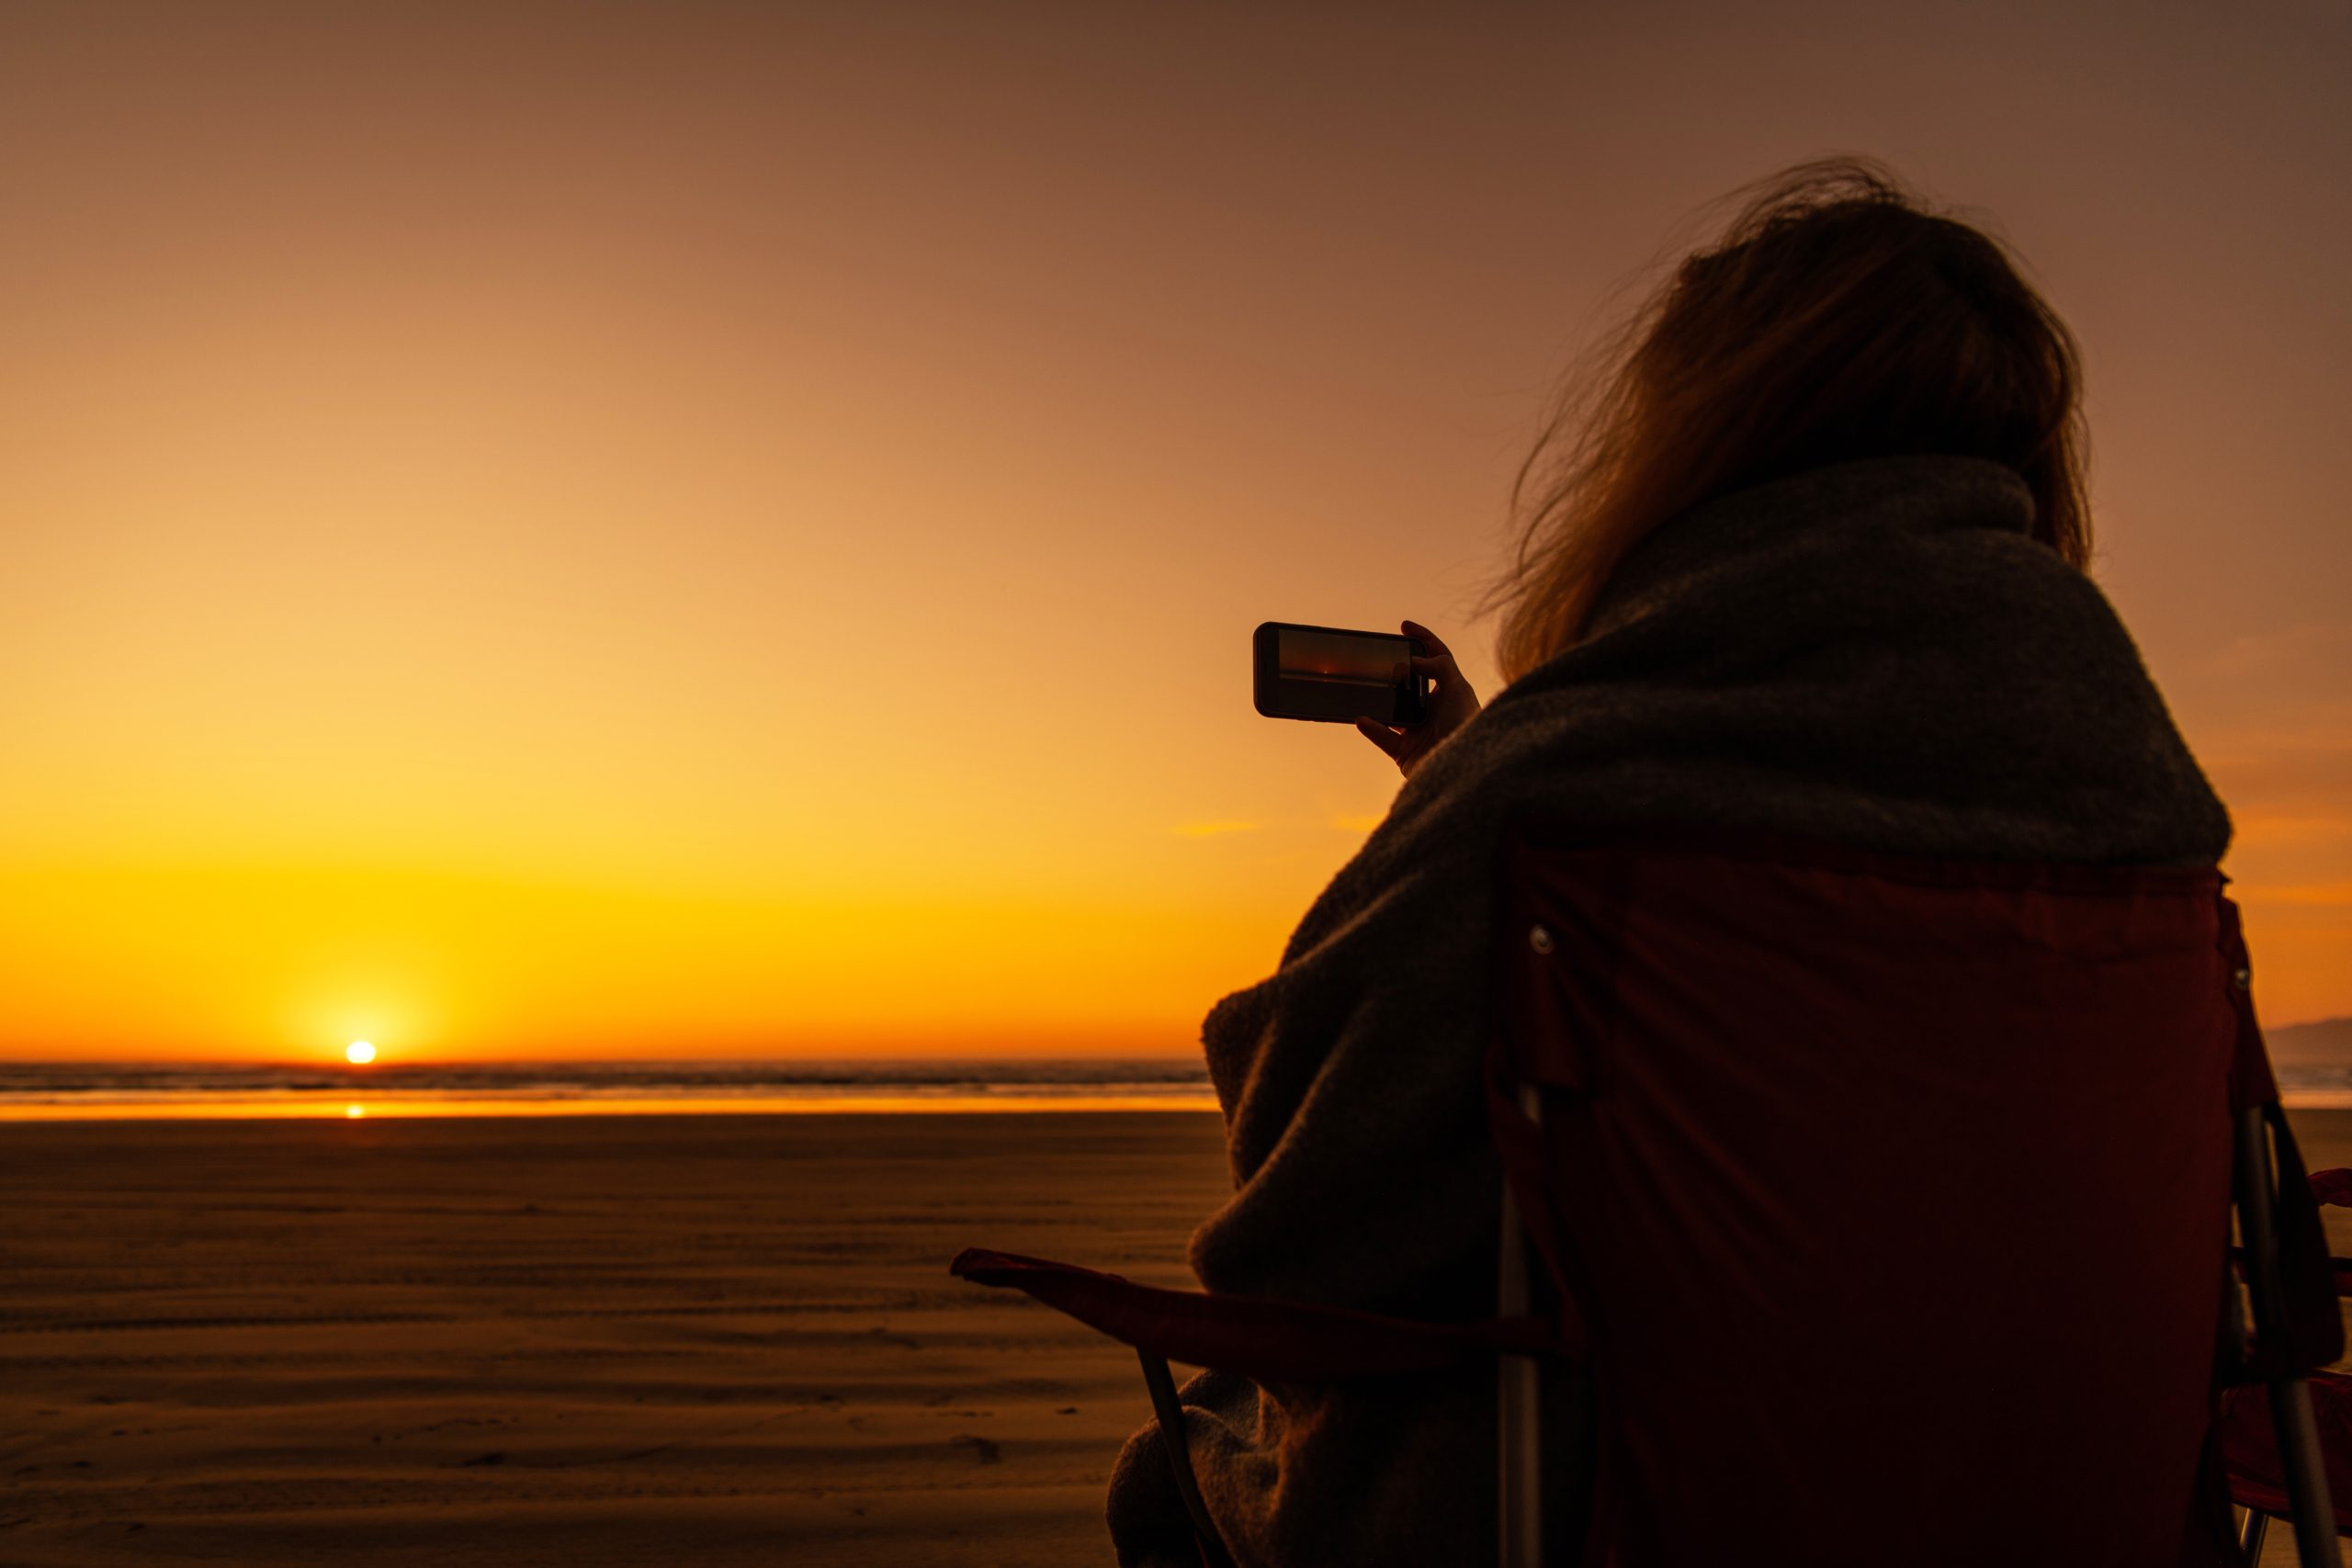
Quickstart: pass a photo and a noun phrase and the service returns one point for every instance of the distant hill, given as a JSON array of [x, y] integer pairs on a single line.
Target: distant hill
[[2326, 1044]]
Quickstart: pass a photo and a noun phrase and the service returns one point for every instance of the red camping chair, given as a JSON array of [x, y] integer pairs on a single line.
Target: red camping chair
[[1885, 1200]]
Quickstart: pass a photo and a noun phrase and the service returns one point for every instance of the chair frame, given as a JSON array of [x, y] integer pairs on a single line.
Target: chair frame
[[1169, 1412], [2291, 1399], [1519, 1439]]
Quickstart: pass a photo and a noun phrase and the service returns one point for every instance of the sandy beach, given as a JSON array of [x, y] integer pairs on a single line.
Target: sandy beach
[[583, 1340], [635, 1339]]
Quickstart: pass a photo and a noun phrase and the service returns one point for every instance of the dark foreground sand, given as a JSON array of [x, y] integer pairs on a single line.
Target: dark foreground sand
[[705, 1340]]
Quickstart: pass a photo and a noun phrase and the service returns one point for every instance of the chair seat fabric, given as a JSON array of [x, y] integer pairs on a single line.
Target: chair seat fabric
[[1890, 1194]]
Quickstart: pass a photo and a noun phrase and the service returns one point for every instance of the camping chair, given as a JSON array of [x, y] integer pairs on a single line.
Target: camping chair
[[1884, 1203]]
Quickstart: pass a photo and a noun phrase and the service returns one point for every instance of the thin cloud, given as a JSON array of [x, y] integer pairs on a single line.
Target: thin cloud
[[1215, 829], [2291, 650], [2327, 894], [2266, 828]]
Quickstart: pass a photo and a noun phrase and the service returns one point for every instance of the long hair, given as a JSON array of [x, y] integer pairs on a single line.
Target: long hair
[[1835, 318]]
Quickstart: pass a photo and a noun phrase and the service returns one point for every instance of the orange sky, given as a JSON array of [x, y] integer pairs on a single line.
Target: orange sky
[[667, 531]]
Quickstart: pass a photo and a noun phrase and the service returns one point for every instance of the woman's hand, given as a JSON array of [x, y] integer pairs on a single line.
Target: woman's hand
[[1450, 706]]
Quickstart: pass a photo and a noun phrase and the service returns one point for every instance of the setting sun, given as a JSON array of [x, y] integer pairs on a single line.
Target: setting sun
[[359, 1052]]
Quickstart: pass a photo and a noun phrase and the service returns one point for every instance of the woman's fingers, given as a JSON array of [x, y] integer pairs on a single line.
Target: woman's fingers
[[1438, 669], [1392, 742], [1429, 638], [1438, 663]]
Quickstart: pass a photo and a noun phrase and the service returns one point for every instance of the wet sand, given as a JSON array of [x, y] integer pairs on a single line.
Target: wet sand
[[639, 1339], [714, 1340]]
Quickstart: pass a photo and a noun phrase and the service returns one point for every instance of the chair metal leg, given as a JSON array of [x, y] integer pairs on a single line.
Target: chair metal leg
[[2250, 1534], [1171, 1412], [2311, 1513], [1518, 1386], [2315, 1522], [1519, 1446]]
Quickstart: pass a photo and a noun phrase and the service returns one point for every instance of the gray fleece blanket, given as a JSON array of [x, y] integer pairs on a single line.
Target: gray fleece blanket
[[1875, 652]]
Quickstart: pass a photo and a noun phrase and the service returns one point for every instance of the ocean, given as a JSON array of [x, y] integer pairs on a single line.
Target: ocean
[[137, 1090], [2315, 1088], [74, 1091]]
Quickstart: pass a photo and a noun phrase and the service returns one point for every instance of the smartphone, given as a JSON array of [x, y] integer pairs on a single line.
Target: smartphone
[[1335, 677]]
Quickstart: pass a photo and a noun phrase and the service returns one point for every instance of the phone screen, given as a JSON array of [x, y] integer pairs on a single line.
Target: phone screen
[[1334, 676]]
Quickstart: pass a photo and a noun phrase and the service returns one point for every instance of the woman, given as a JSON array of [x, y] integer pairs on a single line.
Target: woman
[[1808, 558]]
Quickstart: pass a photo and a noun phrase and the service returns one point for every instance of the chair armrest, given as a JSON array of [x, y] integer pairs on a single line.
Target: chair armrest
[[1258, 1337]]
